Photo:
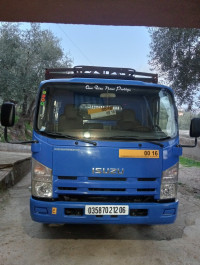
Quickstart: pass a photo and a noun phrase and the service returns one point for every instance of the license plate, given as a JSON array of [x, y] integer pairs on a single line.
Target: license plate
[[106, 209]]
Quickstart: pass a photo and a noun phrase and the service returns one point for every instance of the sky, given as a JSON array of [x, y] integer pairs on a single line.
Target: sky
[[110, 46], [113, 46]]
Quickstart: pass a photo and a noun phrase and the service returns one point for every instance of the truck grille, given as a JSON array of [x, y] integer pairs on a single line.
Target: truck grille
[[106, 179], [69, 185], [106, 199]]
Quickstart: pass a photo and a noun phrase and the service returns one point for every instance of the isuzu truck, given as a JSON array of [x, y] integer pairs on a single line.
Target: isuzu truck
[[105, 147]]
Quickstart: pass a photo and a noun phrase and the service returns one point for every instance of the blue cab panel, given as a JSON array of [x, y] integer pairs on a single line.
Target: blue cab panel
[[73, 168]]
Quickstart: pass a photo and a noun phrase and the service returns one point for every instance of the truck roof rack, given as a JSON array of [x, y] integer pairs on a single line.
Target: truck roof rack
[[100, 72]]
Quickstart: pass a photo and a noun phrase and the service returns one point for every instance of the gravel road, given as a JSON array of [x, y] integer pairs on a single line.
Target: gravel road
[[23, 241]]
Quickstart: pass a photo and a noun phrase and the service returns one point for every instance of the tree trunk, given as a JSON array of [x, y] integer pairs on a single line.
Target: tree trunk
[[25, 105], [30, 111]]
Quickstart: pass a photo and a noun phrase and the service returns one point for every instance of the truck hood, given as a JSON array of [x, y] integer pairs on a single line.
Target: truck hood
[[95, 170]]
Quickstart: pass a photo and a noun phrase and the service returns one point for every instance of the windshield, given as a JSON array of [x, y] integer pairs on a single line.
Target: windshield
[[106, 112]]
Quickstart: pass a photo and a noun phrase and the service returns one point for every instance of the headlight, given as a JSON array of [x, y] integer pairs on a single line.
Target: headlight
[[169, 183], [41, 180]]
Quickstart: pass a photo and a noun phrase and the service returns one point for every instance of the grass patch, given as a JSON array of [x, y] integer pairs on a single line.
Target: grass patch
[[187, 162], [28, 128]]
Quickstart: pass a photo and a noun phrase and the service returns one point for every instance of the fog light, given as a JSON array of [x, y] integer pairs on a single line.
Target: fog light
[[41, 210], [169, 211]]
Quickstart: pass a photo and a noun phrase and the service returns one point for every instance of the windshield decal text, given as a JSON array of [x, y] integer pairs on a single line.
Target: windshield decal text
[[107, 88]]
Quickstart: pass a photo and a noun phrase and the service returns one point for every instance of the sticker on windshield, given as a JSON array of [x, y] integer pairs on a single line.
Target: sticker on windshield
[[43, 98], [101, 112], [97, 110], [125, 153]]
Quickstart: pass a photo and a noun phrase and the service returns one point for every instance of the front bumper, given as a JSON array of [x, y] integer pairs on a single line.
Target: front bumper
[[54, 212]]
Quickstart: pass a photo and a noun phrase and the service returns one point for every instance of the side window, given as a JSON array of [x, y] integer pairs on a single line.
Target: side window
[[163, 116], [166, 116]]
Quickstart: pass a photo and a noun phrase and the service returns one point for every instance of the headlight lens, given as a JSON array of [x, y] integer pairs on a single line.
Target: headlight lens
[[41, 180], [168, 191], [169, 183]]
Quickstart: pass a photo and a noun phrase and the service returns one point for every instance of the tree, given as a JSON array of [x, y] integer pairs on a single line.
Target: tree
[[24, 54], [175, 54]]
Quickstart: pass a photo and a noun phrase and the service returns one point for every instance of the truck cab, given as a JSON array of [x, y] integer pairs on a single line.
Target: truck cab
[[105, 147]]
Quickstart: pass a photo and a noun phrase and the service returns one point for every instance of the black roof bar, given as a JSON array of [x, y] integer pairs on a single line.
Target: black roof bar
[[100, 72]]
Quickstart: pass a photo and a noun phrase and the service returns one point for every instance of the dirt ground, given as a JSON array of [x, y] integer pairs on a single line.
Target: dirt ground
[[23, 241]]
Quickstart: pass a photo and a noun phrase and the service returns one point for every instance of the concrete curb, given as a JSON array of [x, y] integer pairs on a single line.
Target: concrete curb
[[11, 173], [6, 147]]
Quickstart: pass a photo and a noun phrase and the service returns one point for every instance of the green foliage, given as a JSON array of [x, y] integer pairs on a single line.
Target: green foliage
[[185, 120], [24, 55], [16, 118], [187, 162], [175, 54], [2, 134]]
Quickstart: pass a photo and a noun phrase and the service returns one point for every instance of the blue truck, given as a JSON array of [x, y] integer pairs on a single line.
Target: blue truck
[[105, 147]]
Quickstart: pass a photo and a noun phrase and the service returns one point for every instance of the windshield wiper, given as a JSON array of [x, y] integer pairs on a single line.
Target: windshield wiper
[[66, 136], [137, 139]]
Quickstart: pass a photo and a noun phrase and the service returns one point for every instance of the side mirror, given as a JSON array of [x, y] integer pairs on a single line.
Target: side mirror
[[195, 127], [7, 114]]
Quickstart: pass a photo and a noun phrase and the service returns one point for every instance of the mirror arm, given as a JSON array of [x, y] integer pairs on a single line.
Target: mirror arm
[[23, 142], [190, 146]]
